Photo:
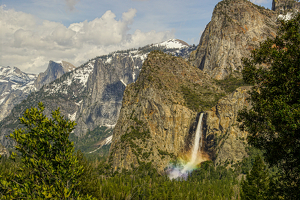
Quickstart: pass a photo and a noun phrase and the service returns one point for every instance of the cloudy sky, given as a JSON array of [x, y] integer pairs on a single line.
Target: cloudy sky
[[32, 32]]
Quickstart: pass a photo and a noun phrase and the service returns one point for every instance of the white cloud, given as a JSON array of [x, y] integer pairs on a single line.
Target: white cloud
[[29, 43]]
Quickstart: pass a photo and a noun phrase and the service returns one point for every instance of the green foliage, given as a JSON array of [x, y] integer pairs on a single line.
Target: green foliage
[[273, 121], [244, 166], [195, 101], [134, 134], [89, 141], [230, 83], [256, 184], [48, 167], [191, 98], [144, 182]]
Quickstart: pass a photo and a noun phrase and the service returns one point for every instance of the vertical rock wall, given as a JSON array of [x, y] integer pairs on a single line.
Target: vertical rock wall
[[224, 140], [236, 28]]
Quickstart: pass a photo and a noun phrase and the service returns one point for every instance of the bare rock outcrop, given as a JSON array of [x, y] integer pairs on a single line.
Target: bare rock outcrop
[[3, 151], [236, 28]]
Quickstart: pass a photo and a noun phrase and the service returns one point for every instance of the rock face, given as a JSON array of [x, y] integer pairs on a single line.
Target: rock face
[[54, 71], [159, 112], [225, 142], [284, 6], [236, 28], [3, 151], [105, 88]]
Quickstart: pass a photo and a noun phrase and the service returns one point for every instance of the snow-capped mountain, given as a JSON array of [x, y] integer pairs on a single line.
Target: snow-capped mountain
[[172, 44], [92, 93], [16, 85], [54, 71], [15, 75]]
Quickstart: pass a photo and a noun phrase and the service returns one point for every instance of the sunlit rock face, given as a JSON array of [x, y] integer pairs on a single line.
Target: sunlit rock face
[[158, 117], [225, 142], [236, 28]]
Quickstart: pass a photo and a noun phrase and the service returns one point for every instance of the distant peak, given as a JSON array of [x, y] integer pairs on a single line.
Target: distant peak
[[173, 44], [66, 66]]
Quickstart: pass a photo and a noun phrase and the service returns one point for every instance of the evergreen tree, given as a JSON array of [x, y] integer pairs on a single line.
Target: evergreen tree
[[273, 121], [255, 187], [49, 169]]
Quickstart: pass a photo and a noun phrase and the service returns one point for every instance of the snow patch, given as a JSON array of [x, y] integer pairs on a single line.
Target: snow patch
[[1, 101], [172, 44], [133, 76], [78, 104], [141, 56], [108, 61], [123, 82], [288, 16], [73, 116], [4, 93], [106, 141], [110, 126]]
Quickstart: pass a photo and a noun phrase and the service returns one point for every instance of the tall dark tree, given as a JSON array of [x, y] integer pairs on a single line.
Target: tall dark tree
[[273, 122], [257, 182]]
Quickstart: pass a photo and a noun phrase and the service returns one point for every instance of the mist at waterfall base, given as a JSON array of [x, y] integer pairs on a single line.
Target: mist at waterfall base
[[187, 163]]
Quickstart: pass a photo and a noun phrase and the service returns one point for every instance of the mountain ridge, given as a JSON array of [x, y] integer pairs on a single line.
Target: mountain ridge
[[80, 97]]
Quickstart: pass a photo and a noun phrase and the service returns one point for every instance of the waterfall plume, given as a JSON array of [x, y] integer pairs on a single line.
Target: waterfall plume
[[195, 159]]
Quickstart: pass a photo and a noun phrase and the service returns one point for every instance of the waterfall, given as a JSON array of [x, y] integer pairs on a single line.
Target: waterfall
[[198, 135], [176, 172]]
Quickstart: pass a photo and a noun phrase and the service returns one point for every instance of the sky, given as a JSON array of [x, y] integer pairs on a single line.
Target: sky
[[33, 32]]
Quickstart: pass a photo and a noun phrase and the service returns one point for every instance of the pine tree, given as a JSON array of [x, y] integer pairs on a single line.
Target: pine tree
[[256, 185]]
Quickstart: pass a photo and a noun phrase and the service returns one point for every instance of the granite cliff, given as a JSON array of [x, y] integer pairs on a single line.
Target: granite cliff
[[225, 142], [160, 111], [54, 71], [284, 6], [236, 28]]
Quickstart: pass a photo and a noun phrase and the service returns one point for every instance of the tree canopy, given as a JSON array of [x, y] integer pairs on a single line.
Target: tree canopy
[[257, 182], [49, 167], [273, 122]]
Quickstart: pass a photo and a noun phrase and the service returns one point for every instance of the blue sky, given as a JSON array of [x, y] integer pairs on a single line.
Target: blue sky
[[36, 31]]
